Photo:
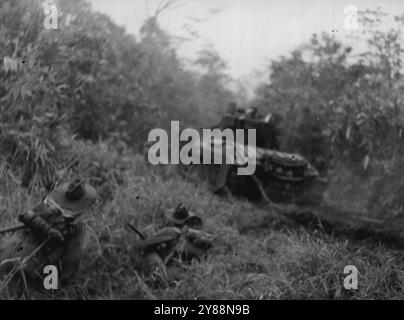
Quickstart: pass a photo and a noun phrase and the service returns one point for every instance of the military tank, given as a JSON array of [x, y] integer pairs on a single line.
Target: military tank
[[283, 177]]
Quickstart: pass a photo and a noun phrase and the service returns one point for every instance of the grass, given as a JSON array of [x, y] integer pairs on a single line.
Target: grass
[[269, 261]]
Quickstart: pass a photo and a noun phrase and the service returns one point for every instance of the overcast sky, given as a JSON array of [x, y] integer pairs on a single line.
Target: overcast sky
[[245, 33]]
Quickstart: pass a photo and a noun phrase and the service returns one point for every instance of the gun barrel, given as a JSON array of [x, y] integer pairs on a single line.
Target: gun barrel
[[13, 228], [136, 231]]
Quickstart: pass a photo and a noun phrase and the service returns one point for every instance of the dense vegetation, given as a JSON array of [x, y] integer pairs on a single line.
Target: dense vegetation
[[343, 108], [92, 80], [80, 100]]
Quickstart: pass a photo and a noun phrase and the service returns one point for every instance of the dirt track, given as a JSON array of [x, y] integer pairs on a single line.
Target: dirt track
[[331, 221]]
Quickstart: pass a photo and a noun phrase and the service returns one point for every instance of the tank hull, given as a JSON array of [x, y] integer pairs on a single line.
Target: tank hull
[[285, 177]]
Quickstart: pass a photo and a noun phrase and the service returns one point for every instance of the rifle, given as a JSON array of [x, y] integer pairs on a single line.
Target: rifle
[[135, 230], [21, 226], [16, 227]]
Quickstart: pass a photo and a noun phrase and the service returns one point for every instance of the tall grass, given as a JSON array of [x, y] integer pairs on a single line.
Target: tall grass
[[272, 262]]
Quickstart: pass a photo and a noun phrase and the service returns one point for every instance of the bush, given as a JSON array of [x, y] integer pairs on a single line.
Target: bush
[[341, 110], [91, 80]]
